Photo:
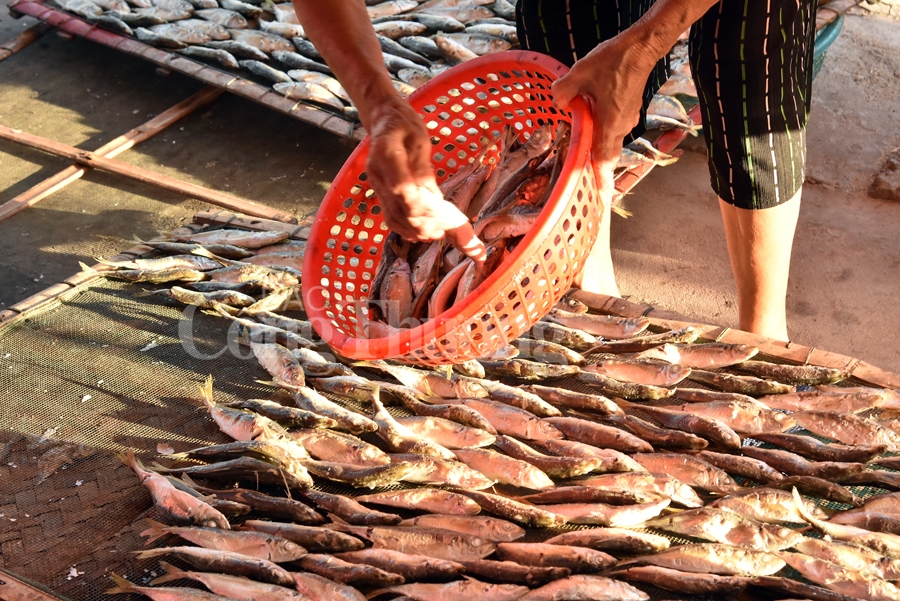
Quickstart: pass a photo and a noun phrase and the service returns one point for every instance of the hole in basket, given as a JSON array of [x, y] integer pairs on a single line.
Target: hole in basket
[[452, 162], [331, 243], [499, 306], [341, 260], [456, 108], [441, 172], [472, 327], [370, 193], [525, 282], [449, 147], [373, 250], [369, 264], [490, 327], [481, 96], [362, 207], [363, 235], [467, 86], [327, 257], [429, 108], [355, 189], [486, 317], [512, 295], [354, 262], [584, 211], [442, 100], [323, 281], [365, 287], [562, 253], [478, 336], [438, 157], [518, 98], [552, 267], [573, 210], [444, 131], [547, 255], [566, 224], [377, 238], [326, 270], [578, 225], [535, 269], [367, 277], [358, 249], [348, 202], [460, 139], [349, 233], [345, 246], [350, 275], [557, 240], [517, 306], [431, 124], [339, 273], [335, 230], [580, 196], [443, 116], [570, 240], [494, 104]]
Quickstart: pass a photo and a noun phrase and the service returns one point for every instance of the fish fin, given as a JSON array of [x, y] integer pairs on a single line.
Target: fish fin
[[172, 573], [122, 585], [87, 268], [337, 520], [621, 211], [155, 531], [189, 481], [801, 508], [206, 392], [147, 293]]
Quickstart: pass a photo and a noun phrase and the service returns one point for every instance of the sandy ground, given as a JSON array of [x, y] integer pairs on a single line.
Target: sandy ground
[[845, 276]]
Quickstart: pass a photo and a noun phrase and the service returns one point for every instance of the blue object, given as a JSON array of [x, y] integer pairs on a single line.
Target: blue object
[[824, 39]]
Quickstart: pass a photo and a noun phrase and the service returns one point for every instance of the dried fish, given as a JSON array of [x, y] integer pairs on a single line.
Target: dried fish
[[684, 582], [616, 541], [527, 515], [689, 469], [310, 537], [279, 507], [160, 593], [411, 567], [606, 326], [226, 562], [561, 397], [235, 587], [416, 540], [431, 500], [599, 435], [557, 467], [817, 450], [625, 390], [175, 505], [576, 559], [252, 544], [818, 487], [767, 505], [347, 572], [723, 526], [486, 527], [793, 374], [656, 436]]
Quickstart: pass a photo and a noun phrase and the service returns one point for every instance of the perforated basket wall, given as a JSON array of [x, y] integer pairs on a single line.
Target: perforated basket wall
[[465, 108]]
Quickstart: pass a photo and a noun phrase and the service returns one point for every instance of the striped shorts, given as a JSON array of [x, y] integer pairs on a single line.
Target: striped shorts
[[753, 72]]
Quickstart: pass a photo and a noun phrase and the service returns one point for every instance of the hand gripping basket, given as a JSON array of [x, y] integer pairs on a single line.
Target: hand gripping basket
[[464, 108]]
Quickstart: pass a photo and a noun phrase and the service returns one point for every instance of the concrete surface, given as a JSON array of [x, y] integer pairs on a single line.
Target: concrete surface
[[845, 277]]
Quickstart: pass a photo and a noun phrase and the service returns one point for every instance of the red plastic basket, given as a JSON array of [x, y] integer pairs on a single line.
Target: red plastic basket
[[464, 108]]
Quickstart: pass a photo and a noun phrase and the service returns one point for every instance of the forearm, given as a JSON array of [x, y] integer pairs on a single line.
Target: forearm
[[659, 28], [342, 31]]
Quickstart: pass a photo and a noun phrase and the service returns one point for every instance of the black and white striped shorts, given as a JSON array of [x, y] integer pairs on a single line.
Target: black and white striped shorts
[[752, 65]]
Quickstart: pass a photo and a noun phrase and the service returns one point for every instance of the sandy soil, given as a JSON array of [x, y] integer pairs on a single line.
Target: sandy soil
[[845, 277]]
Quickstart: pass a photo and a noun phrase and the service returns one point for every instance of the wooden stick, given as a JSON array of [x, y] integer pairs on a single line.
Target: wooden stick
[[109, 150], [24, 39], [90, 159]]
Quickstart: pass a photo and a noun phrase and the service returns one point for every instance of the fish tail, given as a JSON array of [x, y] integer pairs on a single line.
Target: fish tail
[[155, 531], [150, 553], [221, 310], [122, 586], [203, 252], [86, 268], [621, 211], [172, 573]]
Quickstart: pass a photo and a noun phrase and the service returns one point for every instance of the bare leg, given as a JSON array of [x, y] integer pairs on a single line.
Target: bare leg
[[597, 275], [759, 245]]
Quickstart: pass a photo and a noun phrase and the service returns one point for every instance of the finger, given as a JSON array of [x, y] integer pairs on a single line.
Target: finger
[[564, 90], [464, 239]]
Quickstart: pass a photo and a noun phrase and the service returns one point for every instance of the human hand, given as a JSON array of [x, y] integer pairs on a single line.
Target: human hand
[[611, 78], [400, 171]]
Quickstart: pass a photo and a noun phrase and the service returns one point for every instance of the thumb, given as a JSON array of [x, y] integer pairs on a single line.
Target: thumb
[[564, 90]]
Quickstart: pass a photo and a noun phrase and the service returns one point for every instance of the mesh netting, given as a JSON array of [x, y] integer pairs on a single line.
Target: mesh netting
[[92, 376]]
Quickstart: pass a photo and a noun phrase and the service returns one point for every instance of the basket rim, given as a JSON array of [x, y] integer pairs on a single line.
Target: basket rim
[[409, 340]]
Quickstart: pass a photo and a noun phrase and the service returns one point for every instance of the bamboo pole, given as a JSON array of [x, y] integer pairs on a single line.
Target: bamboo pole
[[109, 150], [24, 39], [90, 159]]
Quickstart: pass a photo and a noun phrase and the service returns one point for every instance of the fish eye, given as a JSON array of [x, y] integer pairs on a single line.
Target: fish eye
[[476, 542], [290, 546]]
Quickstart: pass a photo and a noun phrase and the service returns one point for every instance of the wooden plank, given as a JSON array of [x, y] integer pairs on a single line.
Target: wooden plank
[[23, 40], [46, 295], [299, 230], [109, 150], [90, 159]]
